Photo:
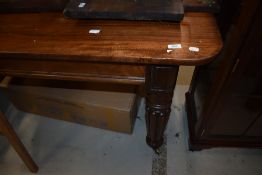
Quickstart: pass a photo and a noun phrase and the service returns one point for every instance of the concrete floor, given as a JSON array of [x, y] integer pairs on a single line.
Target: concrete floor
[[64, 148]]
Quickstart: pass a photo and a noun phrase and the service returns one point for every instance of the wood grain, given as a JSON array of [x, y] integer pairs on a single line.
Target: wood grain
[[46, 45], [14, 140], [73, 70], [51, 36], [160, 84]]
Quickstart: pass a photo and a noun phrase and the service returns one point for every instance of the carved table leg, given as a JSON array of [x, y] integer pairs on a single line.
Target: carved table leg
[[160, 84]]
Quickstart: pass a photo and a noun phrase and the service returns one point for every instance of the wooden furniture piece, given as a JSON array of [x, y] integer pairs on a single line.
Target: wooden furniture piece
[[225, 98], [7, 130], [46, 45], [20, 6], [156, 10], [28, 6]]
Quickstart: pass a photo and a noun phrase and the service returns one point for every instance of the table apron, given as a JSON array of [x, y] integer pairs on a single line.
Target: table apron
[[74, 70]]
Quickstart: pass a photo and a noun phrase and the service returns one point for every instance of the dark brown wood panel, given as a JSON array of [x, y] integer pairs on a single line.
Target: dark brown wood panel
[[160, 84], [68, 70], [225, 98], [51, 36]]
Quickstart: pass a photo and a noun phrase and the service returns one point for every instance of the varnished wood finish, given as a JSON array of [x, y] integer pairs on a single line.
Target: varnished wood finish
[[13, 139], [73, 70], [224, 101], [160, 84], [46, 45], [51, 36]]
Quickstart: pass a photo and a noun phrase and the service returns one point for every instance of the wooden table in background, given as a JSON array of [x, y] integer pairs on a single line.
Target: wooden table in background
[[46, 45]]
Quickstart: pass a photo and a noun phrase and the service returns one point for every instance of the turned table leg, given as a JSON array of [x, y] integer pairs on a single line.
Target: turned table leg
[[160, 84]]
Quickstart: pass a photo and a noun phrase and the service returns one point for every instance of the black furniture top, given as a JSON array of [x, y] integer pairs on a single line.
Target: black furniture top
[[159, 10], [32, 6]]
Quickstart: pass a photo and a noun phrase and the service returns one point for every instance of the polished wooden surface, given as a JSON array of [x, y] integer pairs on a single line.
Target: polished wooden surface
[[46, 45], [160, 84], [51, 36], [74, 70]]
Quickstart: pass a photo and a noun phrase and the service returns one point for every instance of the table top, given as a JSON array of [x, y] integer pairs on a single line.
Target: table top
[[51, 36]]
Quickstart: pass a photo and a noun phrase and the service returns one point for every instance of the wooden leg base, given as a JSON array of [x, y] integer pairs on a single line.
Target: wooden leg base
[[160, 84], [13, 139], [154, 144]]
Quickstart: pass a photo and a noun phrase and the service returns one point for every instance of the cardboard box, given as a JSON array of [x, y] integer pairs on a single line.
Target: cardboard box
[[111, 109]]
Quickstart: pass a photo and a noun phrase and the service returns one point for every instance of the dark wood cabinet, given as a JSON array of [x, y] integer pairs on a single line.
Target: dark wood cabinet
[[224, 102]]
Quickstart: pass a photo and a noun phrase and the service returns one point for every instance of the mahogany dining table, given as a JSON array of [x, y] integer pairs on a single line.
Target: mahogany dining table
[[145, 53]]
